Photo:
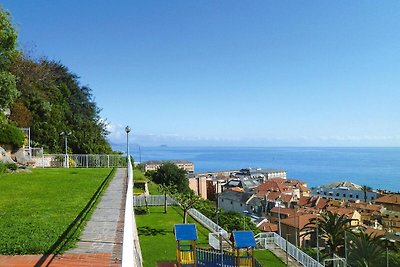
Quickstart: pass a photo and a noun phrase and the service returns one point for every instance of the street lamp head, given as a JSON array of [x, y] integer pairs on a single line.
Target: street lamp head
[[127, 129]]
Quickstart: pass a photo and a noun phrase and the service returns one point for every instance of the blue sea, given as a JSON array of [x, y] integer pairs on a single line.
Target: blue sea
[[378, 168]]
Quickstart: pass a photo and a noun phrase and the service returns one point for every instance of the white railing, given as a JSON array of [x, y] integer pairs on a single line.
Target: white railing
[[79, 161], [266, 240], [131, 252], [206, 222]]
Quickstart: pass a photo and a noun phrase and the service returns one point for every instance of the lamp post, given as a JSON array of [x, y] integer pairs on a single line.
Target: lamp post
[[279, 215], [127, 130], [66, 134], [317, 239]]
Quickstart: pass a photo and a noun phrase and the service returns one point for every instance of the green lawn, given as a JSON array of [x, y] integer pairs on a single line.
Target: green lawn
[[138, 175], [37, 208], [268, 259], [156, 236]]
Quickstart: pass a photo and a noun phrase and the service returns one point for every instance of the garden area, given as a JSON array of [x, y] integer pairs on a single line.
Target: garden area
[[157, 239], [44, 210], [155, 227]]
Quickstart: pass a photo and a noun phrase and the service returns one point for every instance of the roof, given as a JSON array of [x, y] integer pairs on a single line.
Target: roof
[[287, 211], [243, 239], [254, 200], [265, 170], [366, 206], [272, 186], [185, 232], [235, 195], [342, 211], [389, 199], [154, 162], [268, 227], [345, 185], [298, 221]]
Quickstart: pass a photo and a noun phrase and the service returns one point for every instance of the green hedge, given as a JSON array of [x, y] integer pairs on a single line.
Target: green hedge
[[11, 135]]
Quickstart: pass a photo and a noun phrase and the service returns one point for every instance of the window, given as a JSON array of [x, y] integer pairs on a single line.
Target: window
[[241, 204], [351, 195], [222, 200], [344, 195], [325, 193], [231, 203], [337, 194], [356, 196]]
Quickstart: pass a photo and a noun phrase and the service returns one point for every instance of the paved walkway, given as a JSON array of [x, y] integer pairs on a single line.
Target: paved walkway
[[282, 255], [101, 241]]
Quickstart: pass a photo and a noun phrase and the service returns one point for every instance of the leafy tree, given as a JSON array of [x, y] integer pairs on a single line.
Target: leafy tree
[[186, 200], [8, 39], [8, 90], [332, 228], [20, 114], [56, 102], [166, 189], [169, 174], [8, 42]]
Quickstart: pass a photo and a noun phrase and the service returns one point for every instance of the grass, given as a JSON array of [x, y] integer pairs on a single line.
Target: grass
[[37, 208], [267, 258], [138, 175], [156, 236], [157, 239]]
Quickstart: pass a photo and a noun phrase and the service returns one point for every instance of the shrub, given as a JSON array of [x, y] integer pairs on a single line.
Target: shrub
[[3, 167], [11, 135], [12, 166]]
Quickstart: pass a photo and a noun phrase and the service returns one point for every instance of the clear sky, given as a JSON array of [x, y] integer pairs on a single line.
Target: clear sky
[[242, 73]]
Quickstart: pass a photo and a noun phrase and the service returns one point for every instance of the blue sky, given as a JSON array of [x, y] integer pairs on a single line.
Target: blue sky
[[242, 73]]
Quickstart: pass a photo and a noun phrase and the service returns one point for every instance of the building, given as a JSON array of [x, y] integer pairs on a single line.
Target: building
[[199, 186], [153, 165], [242, 202], [343, 191], [390, 202], [243, 183], [292, 229], [260, 174]]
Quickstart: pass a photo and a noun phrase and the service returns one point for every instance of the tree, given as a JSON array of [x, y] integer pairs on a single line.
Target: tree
[[369, 251], [332, 228], [8, 42], [8, 39], [366, 189], [186, 200], [169, 174], [57, 102], [8, 90], [166, 189]]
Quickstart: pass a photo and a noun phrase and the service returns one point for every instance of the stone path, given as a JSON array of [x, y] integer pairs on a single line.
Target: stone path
[[101, 241], [100, 233]]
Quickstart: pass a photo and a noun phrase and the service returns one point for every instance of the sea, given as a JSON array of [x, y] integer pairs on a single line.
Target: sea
[[378, 168]]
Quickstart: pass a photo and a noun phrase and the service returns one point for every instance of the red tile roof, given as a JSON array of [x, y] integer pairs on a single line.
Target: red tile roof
[[298, 221], [389, 199]]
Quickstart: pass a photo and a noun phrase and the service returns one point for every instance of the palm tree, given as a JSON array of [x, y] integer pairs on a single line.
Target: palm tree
[[369, 251], [331, 228], [365, 189]]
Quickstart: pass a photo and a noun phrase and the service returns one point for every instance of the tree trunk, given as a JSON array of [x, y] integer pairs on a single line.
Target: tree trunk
[[165, 202], [185, 216]]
